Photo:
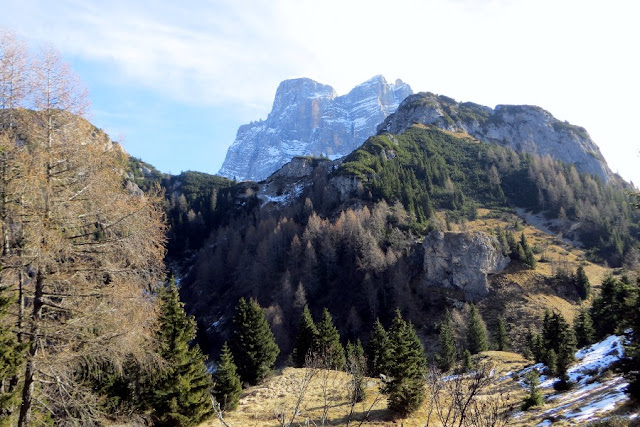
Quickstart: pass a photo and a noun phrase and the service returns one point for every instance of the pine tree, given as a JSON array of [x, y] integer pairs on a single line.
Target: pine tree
[[253, 344], [529, 258], [10, 359], [306, 339], [405, 389], [181, 396], [329, 348], [447, 355], [476, 332], [582, 283], [534, 398], [566, 354], [583, 328], [559, 344], [608, 308], [378, 350], [502, 338], [356, 366], [227, 387], [513, 245], [467, 363]]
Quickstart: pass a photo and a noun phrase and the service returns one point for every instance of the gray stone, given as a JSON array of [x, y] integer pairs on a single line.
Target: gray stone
[[310, 119], [461, 261], [523, 128]]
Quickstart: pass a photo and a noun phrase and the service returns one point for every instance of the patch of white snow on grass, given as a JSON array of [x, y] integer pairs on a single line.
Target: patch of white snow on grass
[[604, 403]]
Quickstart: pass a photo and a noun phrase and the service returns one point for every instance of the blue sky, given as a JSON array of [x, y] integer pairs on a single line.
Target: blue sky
[[174, 80]]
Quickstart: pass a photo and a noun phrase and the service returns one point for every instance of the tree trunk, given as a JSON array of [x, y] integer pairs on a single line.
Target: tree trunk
[[27, 391]]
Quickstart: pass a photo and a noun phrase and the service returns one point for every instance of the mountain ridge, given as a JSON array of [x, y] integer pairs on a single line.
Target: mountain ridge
[[526, 128], [309, 118]]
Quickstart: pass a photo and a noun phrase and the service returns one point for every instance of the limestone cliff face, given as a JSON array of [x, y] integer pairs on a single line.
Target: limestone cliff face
[[461, 261], [522, 127], [309, 118]]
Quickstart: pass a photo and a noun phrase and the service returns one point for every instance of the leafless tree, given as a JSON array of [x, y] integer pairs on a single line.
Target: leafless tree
[[79, 248], [457, 400]]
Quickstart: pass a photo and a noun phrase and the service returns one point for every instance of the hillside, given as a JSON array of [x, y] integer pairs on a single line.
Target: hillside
[[314, 227], [597, 395]]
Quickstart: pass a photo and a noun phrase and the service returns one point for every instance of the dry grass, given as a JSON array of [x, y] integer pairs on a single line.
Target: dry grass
[[262, 405], [528, 292]]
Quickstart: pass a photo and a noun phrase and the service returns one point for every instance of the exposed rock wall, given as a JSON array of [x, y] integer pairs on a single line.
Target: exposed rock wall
[[461, 261], [309, 118], [522, 127]]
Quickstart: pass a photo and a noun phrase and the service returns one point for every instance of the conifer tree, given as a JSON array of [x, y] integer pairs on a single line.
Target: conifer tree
[[447, 355], [583, 328], [608, 308], [467, 363], [529, 258], [512, 244], [476, 332], [566, 354], [378, 350], [181, 396], [227, 387], [502, 338], [253, 345], [582, 283], [534, 398], [306, 339], [329, 347], [405, 389]]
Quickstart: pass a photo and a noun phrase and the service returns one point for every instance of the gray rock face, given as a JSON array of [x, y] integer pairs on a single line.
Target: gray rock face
[[309, 118], [521, 127], [461, 261]]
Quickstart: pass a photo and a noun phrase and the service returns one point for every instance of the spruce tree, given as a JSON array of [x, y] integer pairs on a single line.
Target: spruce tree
[[227, 387], [583, 328], [502, 338], [476, 332], [378, 350], [306, 339], [582, 283], [10, 359], [529, 258], [447, 354], [608, 308], [181, 395], [253, 345], [467, 363], [534, 398], [405, 388], [329, 348], [566, 354], [513, 245]]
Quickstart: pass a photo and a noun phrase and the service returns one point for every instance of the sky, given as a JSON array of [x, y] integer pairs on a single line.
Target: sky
[[173, 80]]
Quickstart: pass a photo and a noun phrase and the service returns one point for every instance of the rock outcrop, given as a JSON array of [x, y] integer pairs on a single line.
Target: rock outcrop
[[461, 261], [310, 119], [522, 127]]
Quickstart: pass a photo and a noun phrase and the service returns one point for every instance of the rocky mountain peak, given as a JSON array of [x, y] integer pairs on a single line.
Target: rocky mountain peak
[[309, 119], [293, 91], [526, 128]]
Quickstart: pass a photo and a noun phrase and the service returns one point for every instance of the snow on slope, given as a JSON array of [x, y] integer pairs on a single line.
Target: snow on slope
[[593, 394]]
